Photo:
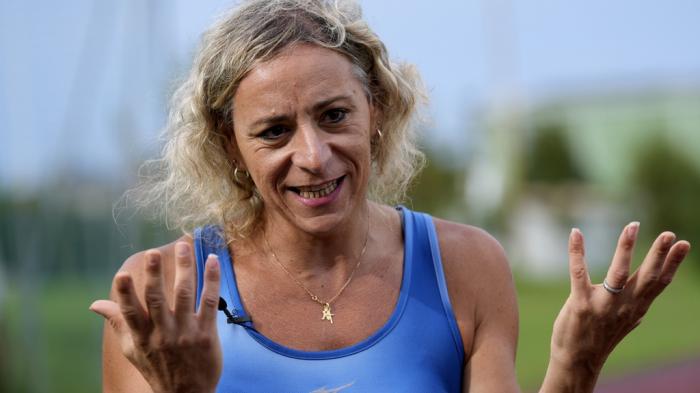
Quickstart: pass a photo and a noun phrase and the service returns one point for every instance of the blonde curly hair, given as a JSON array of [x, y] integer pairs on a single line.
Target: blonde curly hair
[[193, 182]]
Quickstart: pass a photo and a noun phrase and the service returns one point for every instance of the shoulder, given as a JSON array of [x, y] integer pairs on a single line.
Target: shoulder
[[469, 252], [459, 240], [479, 280]]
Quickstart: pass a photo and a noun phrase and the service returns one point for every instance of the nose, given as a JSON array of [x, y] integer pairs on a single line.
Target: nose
[[311, 150]]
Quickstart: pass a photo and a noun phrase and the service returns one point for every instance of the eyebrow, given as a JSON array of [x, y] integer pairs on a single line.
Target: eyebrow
[[282, 118], [331, 100]]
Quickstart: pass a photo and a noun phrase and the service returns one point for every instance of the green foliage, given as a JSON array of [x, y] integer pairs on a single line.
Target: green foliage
[[438, 189], [549, 159], [51, 234], [670, 185]]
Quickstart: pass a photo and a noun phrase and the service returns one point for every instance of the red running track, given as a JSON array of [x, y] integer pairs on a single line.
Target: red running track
[[683, 377]]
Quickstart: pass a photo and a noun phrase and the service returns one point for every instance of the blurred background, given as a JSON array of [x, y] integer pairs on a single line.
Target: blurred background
[[544, 115]]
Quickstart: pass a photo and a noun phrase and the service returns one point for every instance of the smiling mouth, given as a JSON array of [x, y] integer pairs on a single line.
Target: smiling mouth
[[318, 191]]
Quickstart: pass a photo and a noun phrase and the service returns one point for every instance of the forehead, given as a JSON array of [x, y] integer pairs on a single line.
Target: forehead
[[300, 73]]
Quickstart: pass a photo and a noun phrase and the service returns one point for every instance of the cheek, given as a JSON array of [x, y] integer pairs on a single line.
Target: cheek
[[267, 169], [356, 148]]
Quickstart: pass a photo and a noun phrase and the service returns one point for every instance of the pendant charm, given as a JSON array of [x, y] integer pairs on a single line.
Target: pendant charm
[[327, 316]]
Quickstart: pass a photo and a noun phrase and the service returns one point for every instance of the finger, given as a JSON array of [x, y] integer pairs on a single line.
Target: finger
[[184, 283], [650, 271], [155, 296], [109, 310], [129, 305], [112, 314], [674, 259], [210, 293], [620, 267], [580, 282]]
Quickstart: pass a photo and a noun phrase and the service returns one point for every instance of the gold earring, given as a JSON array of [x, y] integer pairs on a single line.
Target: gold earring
[[235, 174]]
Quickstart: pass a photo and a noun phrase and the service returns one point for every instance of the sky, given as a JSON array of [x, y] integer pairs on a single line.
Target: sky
[[85, 83]]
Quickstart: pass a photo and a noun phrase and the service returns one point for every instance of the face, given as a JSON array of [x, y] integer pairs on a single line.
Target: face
[[302, 126]]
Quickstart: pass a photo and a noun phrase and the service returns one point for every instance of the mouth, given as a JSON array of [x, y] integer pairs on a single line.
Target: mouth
[[319, 190]]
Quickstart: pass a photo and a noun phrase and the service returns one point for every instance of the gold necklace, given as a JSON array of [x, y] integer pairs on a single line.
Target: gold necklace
[[327, 314]]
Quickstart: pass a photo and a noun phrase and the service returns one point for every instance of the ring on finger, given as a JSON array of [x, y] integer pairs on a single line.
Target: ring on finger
[[612, 289]]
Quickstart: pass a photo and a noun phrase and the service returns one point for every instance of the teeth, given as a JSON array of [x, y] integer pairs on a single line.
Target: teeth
[[316, 192]]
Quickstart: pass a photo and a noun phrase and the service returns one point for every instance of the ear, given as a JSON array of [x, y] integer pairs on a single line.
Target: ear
[[232, 151], [376, 118], [375, 136]]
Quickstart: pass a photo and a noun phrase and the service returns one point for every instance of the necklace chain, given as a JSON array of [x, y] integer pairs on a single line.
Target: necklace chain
[[326, 304]]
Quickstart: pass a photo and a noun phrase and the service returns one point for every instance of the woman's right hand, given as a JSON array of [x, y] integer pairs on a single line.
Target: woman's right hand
[[176, 350]]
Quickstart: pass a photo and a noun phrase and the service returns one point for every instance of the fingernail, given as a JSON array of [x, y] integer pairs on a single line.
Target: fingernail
[[668, 238], [153, 261], [213, 262], [152, 258], [632, 230], [182, 249]]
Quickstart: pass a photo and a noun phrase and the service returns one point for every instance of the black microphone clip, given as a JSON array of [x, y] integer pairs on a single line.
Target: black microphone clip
[[232, 318]]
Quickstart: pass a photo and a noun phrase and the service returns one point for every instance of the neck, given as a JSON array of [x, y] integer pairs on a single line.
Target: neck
[[307, 254]]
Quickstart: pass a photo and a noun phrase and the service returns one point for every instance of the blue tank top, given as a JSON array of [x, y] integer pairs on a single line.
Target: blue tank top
[[419, 348]]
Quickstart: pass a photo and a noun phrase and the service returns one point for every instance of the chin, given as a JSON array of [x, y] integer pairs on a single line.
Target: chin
[[325, 221], [325, 211], [321, 225]]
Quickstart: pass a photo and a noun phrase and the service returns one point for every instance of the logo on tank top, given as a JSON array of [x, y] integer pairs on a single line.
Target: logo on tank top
[[333, 390]]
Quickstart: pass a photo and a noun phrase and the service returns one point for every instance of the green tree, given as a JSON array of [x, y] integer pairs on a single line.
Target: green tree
[[549, 159], [669, 184], [438, 189]]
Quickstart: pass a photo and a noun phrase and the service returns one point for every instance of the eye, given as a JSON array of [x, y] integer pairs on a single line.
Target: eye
[[335, 116], [273, 133]]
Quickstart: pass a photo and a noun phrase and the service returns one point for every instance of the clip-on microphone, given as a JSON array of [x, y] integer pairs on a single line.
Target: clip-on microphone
[[231, 318]]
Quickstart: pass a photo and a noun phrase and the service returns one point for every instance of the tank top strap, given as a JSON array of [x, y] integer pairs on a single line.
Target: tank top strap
[[210, 239], [428, 271], [201, 251]]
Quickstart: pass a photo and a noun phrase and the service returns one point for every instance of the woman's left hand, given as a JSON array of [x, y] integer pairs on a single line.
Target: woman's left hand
[[595, 318]]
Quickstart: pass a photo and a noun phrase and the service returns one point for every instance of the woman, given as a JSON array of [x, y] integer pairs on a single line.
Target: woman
[[291, 119]]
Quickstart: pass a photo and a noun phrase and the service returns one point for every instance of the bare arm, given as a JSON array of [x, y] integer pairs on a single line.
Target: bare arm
[[491, 366], [482, 294]]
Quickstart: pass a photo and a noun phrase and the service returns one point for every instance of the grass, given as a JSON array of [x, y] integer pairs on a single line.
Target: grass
[[53, 342]]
